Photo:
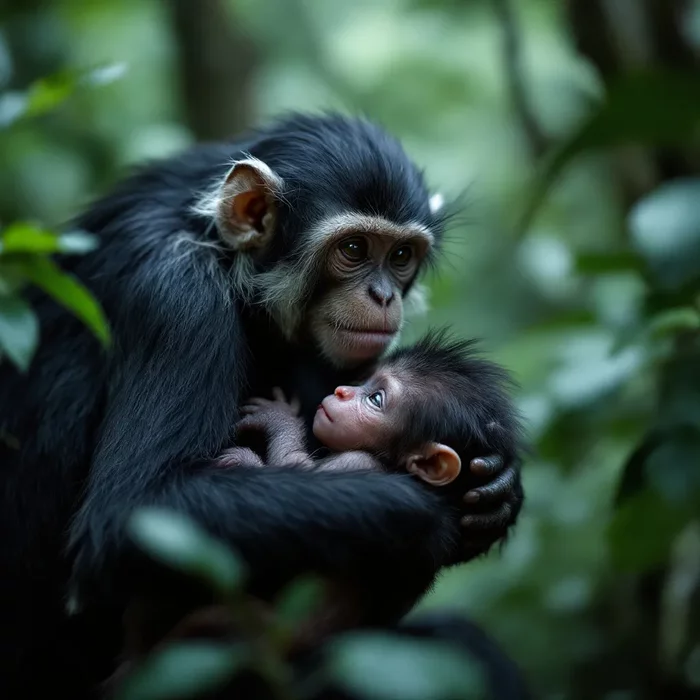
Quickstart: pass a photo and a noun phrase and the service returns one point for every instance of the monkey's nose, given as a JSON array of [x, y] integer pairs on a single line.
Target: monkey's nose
[[344, 392]]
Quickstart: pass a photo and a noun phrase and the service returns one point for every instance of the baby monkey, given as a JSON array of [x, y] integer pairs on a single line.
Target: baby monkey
[[426, 409]]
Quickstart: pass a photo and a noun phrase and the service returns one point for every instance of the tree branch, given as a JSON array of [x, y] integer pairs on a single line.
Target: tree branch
[[516, 80], [216, 68]]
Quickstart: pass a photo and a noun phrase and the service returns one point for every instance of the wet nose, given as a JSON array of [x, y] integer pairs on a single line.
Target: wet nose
[[344, 392]]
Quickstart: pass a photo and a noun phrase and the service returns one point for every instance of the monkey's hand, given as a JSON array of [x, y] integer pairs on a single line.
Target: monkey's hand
[[269, 416], [266, 409], [238, 457], [280, 422], [493, 507]]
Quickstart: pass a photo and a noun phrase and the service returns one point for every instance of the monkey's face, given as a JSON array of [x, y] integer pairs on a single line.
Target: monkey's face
[[365, 275], [331, 230], [361, 417]]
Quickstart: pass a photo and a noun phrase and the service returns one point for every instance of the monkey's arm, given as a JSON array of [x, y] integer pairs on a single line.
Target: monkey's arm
[[238, 457], [285, 434], [166, 410], [284, 522], [351, 461], [495, 500]]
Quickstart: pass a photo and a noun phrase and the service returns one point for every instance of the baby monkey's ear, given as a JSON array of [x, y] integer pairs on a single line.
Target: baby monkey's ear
[[435, 463]]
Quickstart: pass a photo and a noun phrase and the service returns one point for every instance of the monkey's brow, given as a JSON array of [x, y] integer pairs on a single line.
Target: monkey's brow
[[380, 377]]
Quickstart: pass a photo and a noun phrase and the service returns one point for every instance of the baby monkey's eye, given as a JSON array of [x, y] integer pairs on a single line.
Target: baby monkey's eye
[[376, 399]]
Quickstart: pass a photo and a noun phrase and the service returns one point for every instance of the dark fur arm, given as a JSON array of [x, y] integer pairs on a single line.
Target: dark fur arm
[[172, 401], [285, 522]]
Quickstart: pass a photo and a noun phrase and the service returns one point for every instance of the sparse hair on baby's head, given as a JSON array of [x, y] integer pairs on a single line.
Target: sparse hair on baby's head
[[455, 397]]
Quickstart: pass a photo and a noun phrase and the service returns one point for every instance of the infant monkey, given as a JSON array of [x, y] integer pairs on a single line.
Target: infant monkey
[[425, 410]]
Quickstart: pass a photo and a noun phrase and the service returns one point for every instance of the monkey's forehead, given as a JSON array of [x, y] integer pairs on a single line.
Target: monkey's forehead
[[333, 164], [332, 228]]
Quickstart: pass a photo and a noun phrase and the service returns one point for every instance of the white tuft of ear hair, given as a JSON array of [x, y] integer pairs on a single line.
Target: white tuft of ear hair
[[437, 202], [267, 175], [249, 178]]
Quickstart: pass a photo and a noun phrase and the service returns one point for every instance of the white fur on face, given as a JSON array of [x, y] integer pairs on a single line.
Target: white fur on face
[[284, 290]]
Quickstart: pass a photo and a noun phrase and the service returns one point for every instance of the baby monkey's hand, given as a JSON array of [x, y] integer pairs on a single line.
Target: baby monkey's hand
[[266, 415]]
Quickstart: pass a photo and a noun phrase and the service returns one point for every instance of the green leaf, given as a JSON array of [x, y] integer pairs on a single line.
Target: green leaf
[[673, 321], [665, 229], [653, 108], [66, 290], [382, 667], [299, 599], [19, 330], [22, 237], [178, 542], [183, 671], [48, 93], [643, 529]]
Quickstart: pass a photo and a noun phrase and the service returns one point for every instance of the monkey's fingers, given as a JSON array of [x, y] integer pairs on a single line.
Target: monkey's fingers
[[498, 520], [295, 405], [496, 490], [278, 394], [487, 466], [238, 457], [259, 401], [250, 409]]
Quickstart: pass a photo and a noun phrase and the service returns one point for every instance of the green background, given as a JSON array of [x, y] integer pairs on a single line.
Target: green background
[[593, 305]]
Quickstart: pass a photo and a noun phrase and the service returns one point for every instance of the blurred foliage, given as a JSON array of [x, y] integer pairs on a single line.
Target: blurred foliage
[[26, 247], [377, 666], [576, 259]]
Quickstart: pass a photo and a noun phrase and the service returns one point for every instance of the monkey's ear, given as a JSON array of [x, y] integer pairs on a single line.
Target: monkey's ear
[[246, 209], [436, 464]]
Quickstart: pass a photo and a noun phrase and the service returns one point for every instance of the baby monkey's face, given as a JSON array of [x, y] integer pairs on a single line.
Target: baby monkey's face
[[361, 417], [368, 416]]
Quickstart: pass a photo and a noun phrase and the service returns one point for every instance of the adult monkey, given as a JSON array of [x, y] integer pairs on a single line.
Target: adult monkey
[[342, 225]]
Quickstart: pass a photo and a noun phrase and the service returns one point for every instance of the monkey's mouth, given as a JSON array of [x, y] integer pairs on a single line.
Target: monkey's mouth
[[365, 337], [322, 409]]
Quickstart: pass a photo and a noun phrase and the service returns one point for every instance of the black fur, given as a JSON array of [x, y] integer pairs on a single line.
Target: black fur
[[101, 433], [457, 398]]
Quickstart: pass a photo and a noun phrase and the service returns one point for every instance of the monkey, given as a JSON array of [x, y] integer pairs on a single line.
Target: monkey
[[424, 410], [284, 257]]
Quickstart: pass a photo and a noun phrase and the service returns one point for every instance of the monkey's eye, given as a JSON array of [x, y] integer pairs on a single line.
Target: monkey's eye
[[376, 399], [402, 256], [354, 249]]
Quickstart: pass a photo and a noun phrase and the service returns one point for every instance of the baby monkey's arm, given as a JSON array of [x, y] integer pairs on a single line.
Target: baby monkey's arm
[[279, 421], [351, 461]]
